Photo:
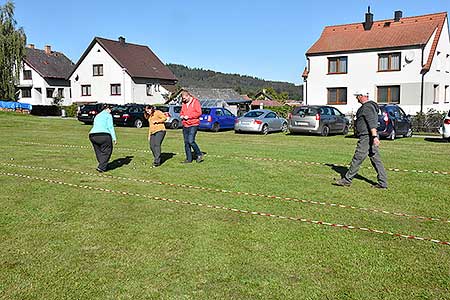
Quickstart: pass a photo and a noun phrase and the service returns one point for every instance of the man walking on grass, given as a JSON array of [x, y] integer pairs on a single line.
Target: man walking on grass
[[190, 116], [368, 142]]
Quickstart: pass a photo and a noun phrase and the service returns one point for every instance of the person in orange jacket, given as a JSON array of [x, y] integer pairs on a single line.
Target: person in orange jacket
[[190, 116], [156, 131]]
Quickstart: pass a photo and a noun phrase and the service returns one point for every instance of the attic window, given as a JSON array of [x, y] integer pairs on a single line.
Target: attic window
[[387, 24], [98, 50]]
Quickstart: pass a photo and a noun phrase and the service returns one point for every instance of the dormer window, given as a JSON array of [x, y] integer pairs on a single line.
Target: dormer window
[[97, 70], [337, 65], [389, 62]]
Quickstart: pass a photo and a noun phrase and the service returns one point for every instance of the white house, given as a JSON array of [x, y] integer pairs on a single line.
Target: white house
[[117, 72], [44, 77], [400, 60]]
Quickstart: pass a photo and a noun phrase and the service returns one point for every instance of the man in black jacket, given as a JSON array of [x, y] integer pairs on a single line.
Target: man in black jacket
[[366, 130]]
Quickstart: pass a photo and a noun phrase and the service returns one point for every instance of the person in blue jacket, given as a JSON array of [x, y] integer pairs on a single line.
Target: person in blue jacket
[[102, 137]]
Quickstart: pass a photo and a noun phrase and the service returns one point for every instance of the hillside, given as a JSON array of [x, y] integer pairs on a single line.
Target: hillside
[[194, 77]]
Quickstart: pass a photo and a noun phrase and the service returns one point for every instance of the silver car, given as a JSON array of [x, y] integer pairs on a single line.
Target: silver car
[[319, 119], [445, 128], [260, 120], [173, 115]]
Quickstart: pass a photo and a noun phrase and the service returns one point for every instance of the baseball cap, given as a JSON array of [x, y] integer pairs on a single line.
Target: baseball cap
[[361, 92]]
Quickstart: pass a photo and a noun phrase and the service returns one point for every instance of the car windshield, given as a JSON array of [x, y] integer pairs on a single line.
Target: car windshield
[[305, 111], [119, 109], [253, 114], [206, 111], [162, 108], [90, 107]]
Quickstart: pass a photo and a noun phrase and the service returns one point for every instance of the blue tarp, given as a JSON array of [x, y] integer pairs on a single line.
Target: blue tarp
[[15, 105]]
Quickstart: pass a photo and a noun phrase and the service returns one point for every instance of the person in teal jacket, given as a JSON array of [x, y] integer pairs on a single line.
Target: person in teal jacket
[[102, 137]]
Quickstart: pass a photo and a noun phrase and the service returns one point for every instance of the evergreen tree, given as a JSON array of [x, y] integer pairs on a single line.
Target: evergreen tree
[[12, 51]]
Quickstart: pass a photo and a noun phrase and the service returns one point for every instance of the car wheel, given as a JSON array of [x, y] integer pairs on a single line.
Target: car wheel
[[325, 131], [138, 123], [284, 128], [174, 124], [265, 129], [392, 135], [409, 133], [345, 131], [215, 127]]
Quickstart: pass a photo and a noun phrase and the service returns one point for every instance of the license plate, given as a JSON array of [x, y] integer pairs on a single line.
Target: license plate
[[84, 115], [116, 116], [301, 123]]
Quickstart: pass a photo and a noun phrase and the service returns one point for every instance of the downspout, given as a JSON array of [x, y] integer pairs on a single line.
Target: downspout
[[422, 83]]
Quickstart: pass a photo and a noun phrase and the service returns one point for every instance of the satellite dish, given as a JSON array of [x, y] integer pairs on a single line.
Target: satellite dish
[[409, 57]]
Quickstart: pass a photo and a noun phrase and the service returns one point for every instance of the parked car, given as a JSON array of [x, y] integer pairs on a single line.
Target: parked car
[[392, 122], [445, 128], [318, 119], [87, 113], [173, 115], [260, 120], [129, 115], [216, 118]]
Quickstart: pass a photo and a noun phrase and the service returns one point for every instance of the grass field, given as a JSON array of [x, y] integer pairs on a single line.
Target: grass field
[[198, 231]]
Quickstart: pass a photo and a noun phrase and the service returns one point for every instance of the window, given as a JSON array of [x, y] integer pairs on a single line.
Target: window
[[438, 61], [115, 89], [446, 94], [388, 94], [50, 92], [86, 90], [389, 62], [271, 115], [436, 94], [227, 113], [61, 92], [337, 96], [26, 93], [219, 112], [26, 74], [337, 65], [97, 70], [149, 89]]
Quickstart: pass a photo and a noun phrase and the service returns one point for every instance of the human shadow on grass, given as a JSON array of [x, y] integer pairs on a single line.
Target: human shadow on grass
[[436, 140], [119, 162], [341, 170], [165, 156]]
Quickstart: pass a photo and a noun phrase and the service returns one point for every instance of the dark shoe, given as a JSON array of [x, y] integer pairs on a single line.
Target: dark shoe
[[343, 182], [155, 165], [100, 170], [186, 162], [379, 186], [200, 159]]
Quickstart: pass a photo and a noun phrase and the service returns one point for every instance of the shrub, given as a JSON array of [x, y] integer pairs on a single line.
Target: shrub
[[71, 110], [427, 122], [281, 111]]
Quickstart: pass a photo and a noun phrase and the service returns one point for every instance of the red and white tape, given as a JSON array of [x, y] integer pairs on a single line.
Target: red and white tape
[[256, 159], [291, 199], [299, 219]]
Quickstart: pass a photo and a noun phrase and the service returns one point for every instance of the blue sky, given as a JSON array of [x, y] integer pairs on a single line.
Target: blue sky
[[265, 39]]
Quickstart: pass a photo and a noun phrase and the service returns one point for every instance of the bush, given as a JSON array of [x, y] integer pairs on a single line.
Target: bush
[[281, 111], [71, 110], [427, 122]]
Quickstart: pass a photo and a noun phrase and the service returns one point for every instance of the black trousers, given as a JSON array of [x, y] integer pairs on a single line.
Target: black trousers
[[156, 140], [103, 147]]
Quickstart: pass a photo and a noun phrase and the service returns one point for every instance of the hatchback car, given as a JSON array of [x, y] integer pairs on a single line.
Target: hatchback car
[[173, 115], [216, 118], [392, 122], [445, 128], [260, 120], [129, 115], [318, 119], [87, 113]]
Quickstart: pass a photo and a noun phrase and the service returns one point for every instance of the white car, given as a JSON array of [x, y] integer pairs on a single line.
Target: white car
[[445, 128]]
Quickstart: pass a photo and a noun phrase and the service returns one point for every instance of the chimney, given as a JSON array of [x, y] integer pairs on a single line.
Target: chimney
[[398, 15], [31, 46], [121, 39], [48, 49], [369, 20]]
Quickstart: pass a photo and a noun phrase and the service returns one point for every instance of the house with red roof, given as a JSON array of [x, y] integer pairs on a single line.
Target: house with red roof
[[404, 60], [43, 77], [118, 72]]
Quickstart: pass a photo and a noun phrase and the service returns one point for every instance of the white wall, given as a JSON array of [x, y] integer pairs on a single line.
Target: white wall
[[37, 81], [131, 91]]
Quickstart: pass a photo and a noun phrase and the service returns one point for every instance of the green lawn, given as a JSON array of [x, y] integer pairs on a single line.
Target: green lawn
[[188, 231]]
